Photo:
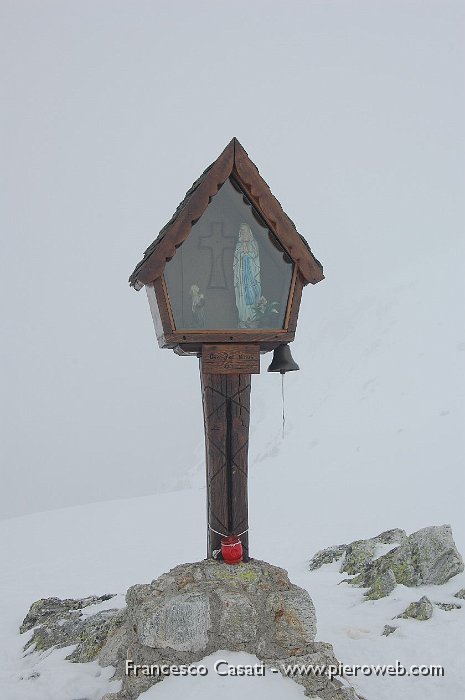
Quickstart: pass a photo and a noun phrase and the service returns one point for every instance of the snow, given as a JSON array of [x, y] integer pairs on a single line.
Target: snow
[[354, 627], [106, 547], [272, 686]]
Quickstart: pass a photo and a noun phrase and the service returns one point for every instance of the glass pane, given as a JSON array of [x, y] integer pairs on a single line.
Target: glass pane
[[231, 271]]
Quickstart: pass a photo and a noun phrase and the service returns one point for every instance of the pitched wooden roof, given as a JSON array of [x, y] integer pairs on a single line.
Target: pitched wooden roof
[[234, 162]]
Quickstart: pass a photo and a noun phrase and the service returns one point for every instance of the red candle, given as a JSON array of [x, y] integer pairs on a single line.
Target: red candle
[[231, 549]]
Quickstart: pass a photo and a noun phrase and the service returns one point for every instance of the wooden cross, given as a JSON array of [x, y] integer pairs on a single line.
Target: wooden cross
[[217, 242]]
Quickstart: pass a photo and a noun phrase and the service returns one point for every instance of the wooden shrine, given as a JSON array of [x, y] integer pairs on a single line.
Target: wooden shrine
[[224, 280]]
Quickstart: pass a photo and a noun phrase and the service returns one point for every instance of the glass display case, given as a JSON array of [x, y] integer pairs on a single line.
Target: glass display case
[[231, 272]]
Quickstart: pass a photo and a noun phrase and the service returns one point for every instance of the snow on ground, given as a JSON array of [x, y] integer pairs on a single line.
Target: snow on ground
[[270, 686], [354, 627], [106, 547], [371, 443]]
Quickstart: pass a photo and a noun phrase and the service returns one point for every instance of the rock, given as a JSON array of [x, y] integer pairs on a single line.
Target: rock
[[460, 593], [95, 632], [319, 654], [379, 575], [357, 555], [294, 618], [237, 612], [88, 633], [434, 554], [327, 556], [419, 610], [382, 586], [114, 649], [361, 553], [448, 606], [396, 535], [196, 607], [60, 623], [180, 622], [48, 610], [195, 610], [428, 556], [388, 629]]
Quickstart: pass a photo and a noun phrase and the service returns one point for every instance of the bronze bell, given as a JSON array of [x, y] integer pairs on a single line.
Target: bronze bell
[[282, 360]]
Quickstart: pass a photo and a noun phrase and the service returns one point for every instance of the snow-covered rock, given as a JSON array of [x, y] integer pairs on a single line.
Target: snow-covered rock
[[382, 585], [196, 609], [448, 606], [357, 553], [434, 554], [189, 613], [61, 623], [327, 556], [428, 556], [419, 610]]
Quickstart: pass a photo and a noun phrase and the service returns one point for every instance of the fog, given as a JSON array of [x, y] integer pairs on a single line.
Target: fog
[[352, 111]]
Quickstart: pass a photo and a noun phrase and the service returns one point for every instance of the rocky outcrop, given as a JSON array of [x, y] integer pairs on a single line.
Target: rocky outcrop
[[327, 556], [195, 610], [382, 585], [61, 623], [388, 629], [48, 610], [434, 555], [357, 553], [362, 552], [420, 610], [428, 556], [448, 606]]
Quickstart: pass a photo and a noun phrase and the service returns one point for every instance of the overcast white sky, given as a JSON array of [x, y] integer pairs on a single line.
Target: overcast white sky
[[352, 110]]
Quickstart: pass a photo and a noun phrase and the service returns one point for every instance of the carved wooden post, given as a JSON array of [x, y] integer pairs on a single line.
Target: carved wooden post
[[226, 408]]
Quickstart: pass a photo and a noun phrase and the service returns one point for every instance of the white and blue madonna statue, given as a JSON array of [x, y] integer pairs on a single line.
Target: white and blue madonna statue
[[246, 267]]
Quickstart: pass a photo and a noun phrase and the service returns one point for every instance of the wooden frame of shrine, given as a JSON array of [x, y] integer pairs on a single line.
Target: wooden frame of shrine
[[227, 320]]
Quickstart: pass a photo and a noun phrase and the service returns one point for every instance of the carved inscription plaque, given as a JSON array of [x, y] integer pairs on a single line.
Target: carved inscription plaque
[[231, 359]]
